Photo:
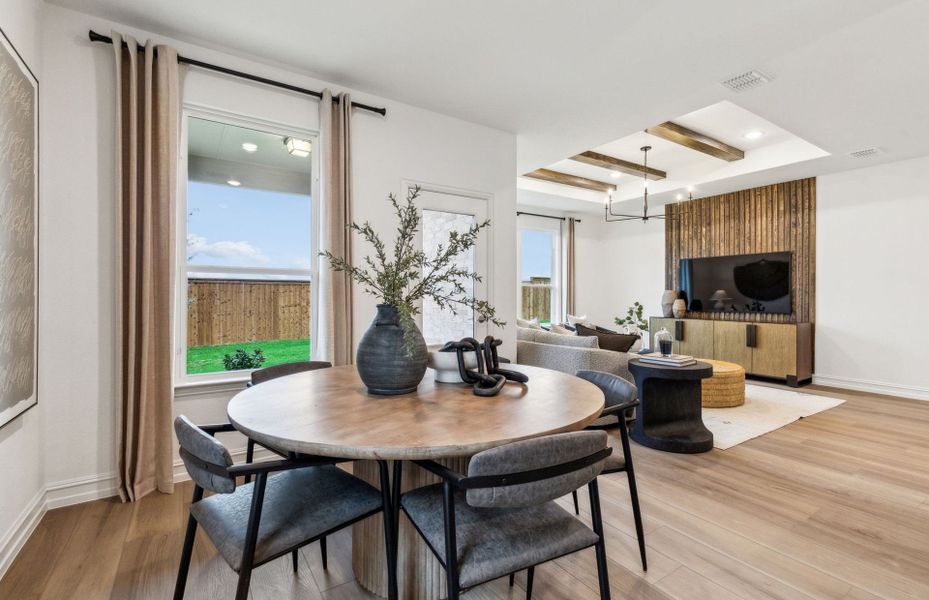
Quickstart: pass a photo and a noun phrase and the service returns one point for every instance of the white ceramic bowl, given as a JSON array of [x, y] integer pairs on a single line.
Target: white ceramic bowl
[[446, 364]]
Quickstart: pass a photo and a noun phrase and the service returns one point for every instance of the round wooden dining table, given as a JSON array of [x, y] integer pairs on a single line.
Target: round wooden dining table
[[328, 412]]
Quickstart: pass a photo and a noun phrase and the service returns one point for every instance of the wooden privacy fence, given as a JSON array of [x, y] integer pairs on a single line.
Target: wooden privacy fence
[[536, 301], [229, 311]]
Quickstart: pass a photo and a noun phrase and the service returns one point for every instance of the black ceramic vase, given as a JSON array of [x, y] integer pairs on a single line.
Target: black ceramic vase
[[384, 365]]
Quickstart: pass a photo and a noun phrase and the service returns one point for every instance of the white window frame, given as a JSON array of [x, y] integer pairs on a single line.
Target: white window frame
[[548, 225], [181, 378]]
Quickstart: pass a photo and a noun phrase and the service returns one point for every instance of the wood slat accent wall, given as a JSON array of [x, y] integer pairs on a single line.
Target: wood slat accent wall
[[230, 311], [773, 218]]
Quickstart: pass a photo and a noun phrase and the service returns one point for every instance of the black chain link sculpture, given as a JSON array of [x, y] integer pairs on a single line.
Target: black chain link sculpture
[[489, 378]]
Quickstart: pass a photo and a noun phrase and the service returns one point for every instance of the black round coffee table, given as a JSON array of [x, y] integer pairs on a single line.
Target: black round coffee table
[[669, 416]]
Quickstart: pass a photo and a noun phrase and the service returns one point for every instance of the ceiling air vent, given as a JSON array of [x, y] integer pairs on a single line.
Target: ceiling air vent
[[746, 81], [864, 153]]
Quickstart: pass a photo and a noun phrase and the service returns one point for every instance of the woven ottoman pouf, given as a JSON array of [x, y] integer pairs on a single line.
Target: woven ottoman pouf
[[726, 388]]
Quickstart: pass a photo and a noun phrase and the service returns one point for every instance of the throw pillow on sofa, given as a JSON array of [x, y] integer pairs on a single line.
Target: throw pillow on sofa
[[561, 329], [619, 342], [539, 336], [583, 320], [528, 323]]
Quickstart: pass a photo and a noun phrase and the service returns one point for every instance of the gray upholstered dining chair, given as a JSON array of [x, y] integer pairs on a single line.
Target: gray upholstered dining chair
[[291, 368], [273, 372], [501, 518], [620, 397], [267, 374], [253, 524]]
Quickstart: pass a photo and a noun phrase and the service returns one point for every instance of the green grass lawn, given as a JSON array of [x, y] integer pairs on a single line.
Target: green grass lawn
[[209, 359]]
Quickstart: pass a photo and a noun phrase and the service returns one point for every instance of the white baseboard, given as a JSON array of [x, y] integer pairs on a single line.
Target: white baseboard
[[80, 489], [75, 491], [15, 538], [875, 387]]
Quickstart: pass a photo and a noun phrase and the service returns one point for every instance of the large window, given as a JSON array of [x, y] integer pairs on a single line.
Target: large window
[[540, 269], [247, 248]]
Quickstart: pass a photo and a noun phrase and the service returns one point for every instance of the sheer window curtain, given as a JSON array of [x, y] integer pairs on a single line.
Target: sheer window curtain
[[147, 133], [334, 341]]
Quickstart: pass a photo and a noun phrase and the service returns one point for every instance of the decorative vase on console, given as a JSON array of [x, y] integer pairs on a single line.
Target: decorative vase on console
[[392, 355], [679, 308], [667, 300]]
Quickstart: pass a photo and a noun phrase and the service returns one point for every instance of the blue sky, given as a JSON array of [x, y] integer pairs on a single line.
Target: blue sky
[[536, 253], [242, 227]]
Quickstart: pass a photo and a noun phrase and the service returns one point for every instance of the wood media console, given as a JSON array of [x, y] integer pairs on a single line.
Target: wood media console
[[777, 350]]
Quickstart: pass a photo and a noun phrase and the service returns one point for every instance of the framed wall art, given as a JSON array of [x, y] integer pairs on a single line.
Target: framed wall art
[[19, 218]]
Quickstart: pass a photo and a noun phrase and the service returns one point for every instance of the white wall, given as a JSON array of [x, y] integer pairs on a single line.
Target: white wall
[[618, 264], [21, 450], [871, 285], [79, 227]]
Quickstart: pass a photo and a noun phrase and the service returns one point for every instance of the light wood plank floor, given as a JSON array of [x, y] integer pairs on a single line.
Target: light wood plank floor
[[834, 506]]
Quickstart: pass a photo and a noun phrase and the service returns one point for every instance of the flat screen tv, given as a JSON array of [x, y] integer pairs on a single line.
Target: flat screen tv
[[747, 283]]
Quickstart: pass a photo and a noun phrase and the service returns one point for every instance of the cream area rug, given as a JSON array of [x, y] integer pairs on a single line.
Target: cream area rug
[[765, 409]]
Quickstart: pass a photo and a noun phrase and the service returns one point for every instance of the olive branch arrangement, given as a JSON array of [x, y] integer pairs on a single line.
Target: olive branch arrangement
[[411, 275]]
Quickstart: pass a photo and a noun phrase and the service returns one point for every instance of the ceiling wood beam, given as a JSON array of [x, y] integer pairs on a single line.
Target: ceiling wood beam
[[696, 141], [572, 180], [617, 164]]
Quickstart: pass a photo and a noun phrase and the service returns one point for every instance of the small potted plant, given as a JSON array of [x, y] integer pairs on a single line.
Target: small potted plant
[[392, 355], [634, 319]]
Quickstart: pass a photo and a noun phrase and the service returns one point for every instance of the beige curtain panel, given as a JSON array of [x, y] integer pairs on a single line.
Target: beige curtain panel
[[570, 308], [334, 316], [147, 133]]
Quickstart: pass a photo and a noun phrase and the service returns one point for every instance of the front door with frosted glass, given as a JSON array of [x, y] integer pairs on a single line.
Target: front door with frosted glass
[[443, 212]]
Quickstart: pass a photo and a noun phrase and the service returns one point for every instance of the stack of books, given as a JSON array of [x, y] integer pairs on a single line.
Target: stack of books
[[675, 360]]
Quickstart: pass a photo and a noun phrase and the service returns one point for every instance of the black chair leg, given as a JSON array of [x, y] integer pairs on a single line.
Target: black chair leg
[[249, 456], [295, 559], [390, 533], [184, 568], [451, 543], [530, 572], [251, 537], [186, 554], [323, 554], [512, 579], [395, 502], [633, 491], [577, 506], [597, 518]]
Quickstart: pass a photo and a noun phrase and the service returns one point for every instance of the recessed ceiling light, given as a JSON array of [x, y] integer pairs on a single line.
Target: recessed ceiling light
[[250, 147], [614, 174], [679, 197], [754, 134], [690, 188], [234, 182], [298, 147]]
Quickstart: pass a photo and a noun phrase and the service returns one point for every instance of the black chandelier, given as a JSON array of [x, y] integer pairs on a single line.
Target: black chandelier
[[611, 217]]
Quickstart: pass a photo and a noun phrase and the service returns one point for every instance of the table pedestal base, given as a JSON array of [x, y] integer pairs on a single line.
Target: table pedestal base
[[419, 574]]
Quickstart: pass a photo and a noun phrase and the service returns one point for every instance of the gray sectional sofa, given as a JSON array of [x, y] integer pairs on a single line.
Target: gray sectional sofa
[[568, 353]]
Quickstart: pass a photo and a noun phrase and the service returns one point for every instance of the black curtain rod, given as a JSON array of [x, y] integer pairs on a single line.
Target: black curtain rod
[[96, 37], [545, 216]]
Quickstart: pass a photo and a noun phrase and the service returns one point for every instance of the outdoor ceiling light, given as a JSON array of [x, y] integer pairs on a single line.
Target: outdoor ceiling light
[[753, 134], [234, 182], [250, 147], [298, 147]]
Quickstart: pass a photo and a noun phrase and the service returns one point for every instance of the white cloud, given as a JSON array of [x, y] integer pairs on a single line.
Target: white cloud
[[197, 245]]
